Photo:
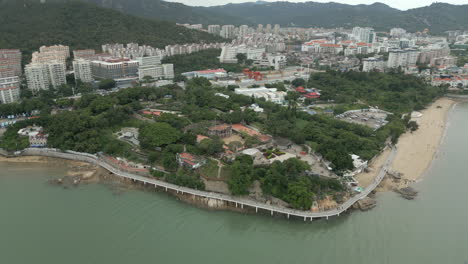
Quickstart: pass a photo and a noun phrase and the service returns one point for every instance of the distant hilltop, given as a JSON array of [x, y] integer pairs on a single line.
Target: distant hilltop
[[438, 17]]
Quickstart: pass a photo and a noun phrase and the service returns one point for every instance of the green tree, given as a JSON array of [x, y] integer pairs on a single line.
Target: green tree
[[107, 84], [299, 194], [158, 134]]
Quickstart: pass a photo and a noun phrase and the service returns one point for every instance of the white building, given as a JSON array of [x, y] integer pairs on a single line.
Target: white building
[[57, 73], [365, 34], [243, 30], [214, 29], [168, 70], [37, 77], [40, 76], [228, 31], [228, 54], [372, 64], [82, 70], [397, 32], [55, 53], [269, 94], [402, 58], [9, 90]]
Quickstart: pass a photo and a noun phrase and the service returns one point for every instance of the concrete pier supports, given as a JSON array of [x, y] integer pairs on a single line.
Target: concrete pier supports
[[256, 209]]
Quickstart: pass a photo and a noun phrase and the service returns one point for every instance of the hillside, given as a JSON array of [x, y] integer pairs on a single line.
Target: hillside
[[437, 17], [27, 24], [169, 11]]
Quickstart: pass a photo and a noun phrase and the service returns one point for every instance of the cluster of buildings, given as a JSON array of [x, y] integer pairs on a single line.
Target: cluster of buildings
[[36, 135], [258, 56], [231, 31], [47, 68], [133, 50], [404, 50], [10, 72]]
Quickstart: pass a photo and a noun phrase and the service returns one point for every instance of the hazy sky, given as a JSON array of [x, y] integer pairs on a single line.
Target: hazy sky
[[400, 4]]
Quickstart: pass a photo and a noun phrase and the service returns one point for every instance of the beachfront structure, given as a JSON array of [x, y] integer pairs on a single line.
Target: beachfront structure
[[37, 139], [82, 70], [9, 89]]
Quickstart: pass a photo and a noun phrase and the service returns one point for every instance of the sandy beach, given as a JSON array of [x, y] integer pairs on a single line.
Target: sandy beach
[[415, 151]]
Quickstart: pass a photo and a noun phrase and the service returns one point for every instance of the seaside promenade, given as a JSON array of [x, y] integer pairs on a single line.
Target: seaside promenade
[[238, 202]]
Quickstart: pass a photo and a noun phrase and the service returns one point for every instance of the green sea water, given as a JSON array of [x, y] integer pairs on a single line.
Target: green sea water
[[40, 223]]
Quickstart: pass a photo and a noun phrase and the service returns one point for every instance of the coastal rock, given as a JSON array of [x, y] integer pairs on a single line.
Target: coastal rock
[[366, 204], [408, 193]]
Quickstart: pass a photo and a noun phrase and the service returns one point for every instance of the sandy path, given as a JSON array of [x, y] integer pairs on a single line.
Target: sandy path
[[366, 178]]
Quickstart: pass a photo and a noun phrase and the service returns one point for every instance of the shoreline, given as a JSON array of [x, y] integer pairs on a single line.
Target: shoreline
[[421, 143], [415, 151]]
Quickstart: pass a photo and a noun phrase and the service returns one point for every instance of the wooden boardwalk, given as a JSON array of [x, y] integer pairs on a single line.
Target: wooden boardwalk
[[241, 202]]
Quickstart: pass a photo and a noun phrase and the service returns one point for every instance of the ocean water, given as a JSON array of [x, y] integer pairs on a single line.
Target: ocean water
[[40, 223]]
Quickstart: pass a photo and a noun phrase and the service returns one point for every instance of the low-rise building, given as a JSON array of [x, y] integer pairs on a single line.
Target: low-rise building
[[190, 161], [269, 94], [209, 74], [221, 131]]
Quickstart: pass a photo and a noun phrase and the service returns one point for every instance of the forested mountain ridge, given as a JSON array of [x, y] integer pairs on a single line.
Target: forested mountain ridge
[[437, 17], [28, 24], [170, 11]]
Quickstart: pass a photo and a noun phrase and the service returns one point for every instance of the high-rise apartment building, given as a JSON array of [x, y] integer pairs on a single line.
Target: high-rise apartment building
[[168, 71], [227, 31], [9, 90], [82, 70], [243, 30], [276, 29], [402, 58], [37, 77], [55, 53], [57, 73], [372, 64], [366, 34], [10, 59], [259, 28], [214, 29], [40, 76]]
